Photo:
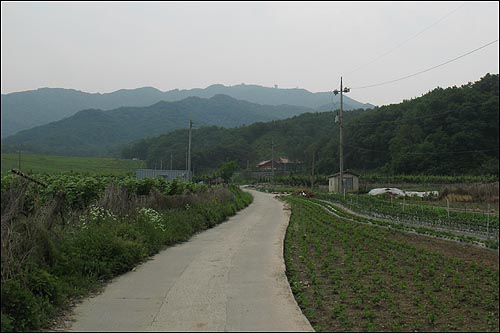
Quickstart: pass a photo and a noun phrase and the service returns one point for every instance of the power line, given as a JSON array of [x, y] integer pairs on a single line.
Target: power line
[[405, 41], [428, 69]]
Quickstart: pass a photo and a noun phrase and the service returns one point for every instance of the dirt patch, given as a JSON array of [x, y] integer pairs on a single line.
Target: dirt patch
[[452, 249]]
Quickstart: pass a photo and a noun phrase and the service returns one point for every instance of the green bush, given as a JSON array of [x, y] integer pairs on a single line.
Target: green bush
[[20, 306], [99, 245], [44, 285], [99, 252], [7, 323]]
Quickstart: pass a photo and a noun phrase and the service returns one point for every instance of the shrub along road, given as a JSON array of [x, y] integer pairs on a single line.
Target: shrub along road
[[229, 278]]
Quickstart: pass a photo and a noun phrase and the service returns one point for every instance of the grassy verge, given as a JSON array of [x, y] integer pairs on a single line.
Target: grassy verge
[[48, 261], [348, 276]]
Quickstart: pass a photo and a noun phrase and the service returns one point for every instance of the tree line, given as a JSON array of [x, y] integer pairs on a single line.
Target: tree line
[[448, 131]]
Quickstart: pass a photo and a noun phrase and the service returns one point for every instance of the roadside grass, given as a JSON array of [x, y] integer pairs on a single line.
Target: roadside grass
[[349, 276], [48, 261], [35, 163]]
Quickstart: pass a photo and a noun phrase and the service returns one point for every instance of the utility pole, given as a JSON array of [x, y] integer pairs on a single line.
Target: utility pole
[[189, 150], [171, 160], [341, 141], [341, 144], [161, 164]]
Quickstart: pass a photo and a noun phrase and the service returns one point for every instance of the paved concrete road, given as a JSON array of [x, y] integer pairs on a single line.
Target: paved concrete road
[[228, 278]]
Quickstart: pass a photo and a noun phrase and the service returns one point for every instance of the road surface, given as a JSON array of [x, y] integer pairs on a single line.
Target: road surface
[[228, 278]]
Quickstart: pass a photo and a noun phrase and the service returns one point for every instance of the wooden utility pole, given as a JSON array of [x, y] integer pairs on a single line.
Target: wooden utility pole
[[341, 127], [171, 161], [341, 148]]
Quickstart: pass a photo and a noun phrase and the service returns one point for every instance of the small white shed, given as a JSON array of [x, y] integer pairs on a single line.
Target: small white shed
[[351, 182]]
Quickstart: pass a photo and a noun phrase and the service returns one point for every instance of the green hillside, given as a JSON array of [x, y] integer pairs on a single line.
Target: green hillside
[[447, 131], [27, 109], [101, 133], [57, 164]]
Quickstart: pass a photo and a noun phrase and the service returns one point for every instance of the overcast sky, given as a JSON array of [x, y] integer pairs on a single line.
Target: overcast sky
[[103, 47]]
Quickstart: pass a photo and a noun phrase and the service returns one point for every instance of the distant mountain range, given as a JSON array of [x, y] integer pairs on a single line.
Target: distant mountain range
[[27, 109], [100, 133]]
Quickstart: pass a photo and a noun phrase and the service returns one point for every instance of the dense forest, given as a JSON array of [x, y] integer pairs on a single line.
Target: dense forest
[[446, 131]]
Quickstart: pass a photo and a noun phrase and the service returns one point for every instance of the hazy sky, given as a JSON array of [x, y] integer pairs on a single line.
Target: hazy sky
[[103, 47]]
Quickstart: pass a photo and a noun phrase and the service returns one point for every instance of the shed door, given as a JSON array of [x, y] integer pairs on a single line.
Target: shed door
[[348, 184]]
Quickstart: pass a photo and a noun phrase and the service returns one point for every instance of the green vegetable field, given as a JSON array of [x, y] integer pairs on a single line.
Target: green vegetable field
[[351, 276], [57, 164]]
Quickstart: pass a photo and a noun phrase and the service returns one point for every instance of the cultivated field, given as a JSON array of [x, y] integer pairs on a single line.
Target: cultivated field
[[353, 276], [57, 164]]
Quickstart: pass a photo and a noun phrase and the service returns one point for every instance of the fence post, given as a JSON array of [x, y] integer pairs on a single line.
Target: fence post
[[488, 223], [448, 205]]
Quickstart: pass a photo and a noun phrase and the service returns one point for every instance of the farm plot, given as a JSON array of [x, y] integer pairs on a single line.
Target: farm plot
[[349, 276], [479, 225]]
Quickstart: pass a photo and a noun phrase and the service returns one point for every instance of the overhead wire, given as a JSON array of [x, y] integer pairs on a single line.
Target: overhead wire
[[426, 70], [412, 75], [405, 41]]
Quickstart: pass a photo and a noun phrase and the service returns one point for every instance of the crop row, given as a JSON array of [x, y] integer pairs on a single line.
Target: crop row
[[352, 276], [428, 179], [420, 215]]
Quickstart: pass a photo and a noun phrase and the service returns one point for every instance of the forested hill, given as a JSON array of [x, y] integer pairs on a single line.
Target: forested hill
[[99, 133], [446, 131], [27, 109]]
